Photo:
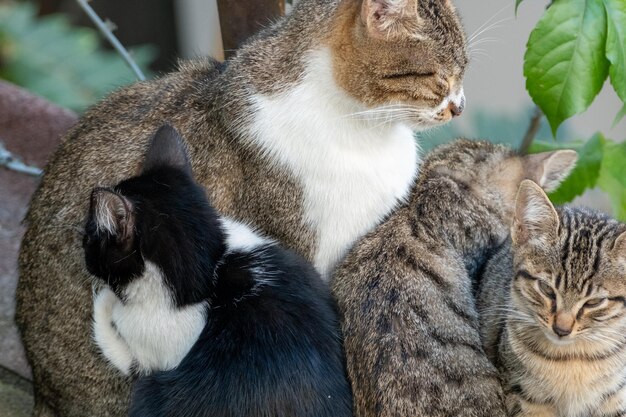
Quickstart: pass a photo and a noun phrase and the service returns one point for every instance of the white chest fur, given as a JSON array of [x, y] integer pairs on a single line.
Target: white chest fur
[[353, 173]]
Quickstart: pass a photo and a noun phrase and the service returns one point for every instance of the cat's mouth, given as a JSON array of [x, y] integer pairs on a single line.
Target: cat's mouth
[[416, 117], [452, 106]]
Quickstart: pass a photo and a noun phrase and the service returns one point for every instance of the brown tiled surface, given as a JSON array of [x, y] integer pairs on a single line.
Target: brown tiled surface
[[30, 127]]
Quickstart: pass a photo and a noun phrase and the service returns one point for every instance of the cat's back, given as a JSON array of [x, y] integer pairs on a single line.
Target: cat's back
[[109, 141], [387, 289], [271, 345], [373, 261]]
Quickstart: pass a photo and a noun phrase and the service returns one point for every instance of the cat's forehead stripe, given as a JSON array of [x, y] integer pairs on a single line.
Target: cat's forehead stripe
[[583, 237]]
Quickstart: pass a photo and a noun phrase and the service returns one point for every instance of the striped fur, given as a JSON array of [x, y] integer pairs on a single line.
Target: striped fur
[[410, 327], [552, 274]]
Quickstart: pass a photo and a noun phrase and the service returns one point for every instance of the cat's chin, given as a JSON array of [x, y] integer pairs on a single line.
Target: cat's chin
[[557, 341], [422, 125]]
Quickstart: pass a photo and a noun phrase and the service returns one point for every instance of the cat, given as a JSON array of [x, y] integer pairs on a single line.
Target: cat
[[306, 134], [552, 307], [215, 319], [404, 291]]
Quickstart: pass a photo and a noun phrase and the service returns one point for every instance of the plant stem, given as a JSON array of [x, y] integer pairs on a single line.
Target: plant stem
[[533, 128], [106, 31]]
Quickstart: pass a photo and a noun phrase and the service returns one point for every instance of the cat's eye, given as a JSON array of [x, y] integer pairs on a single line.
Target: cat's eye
[[547, 290], [594, 302]]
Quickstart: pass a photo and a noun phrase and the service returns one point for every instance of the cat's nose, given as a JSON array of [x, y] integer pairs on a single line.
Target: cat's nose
[[560, 331], [563, 324], [456, 106]]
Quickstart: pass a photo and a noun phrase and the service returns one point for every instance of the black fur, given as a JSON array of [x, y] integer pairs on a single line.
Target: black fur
[[174, 226], [271, 344], [268, 349]]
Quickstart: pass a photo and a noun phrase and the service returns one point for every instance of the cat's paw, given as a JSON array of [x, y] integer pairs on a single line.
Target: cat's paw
[[111, 344]]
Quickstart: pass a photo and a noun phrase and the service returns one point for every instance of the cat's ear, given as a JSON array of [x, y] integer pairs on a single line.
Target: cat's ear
[[167, 150], [536, 221], [549, 169], [391, 18], [112, 213]]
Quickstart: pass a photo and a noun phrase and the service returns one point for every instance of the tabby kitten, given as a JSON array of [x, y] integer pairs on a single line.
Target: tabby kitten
[[217, 320], [553, 311], [306, 134], [404, 292]]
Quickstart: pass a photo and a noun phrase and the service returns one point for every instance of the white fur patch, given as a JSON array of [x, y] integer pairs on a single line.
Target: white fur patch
[[156, 333], [455, 97], [112, 346], [353, 173], [240, 236]]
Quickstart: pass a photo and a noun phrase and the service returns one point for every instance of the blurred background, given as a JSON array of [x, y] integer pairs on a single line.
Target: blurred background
[[55, 64], [56, 35]]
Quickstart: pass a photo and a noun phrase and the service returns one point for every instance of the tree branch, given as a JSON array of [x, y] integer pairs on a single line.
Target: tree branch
[[10, 161], [533, 128], [106, 28]]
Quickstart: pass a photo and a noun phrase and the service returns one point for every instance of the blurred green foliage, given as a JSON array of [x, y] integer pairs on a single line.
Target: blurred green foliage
[[58, 61]]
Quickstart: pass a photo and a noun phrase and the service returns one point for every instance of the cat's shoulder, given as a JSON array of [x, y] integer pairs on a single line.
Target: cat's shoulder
[[257, 266]]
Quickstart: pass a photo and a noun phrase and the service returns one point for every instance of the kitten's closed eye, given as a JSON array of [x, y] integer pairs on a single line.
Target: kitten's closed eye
[[547, 290], [594, 302]]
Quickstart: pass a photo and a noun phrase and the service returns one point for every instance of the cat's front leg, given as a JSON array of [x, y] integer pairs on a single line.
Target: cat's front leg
[[112, 346], [519, 407]]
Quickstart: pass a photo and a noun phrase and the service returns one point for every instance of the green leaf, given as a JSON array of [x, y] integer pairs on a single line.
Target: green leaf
[[616, 44], [585, 174], [517, 3], [565, 63], [612, 177]]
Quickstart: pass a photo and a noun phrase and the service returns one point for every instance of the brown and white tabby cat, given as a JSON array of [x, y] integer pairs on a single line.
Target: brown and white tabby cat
[[307, 134], [405, 293], [553, 311]]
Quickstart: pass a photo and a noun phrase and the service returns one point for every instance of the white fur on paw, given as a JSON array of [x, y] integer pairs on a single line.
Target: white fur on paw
[[112, 346]]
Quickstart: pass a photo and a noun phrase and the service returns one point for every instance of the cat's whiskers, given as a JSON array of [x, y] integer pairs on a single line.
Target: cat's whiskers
[[67, 226], [125, 257], [389, 114], [495, 25], [385, 110], [604, 340], [496, 310], [488, 25], [480, 53], [486, 22], [484, 40], [610, 334], [475, 39]]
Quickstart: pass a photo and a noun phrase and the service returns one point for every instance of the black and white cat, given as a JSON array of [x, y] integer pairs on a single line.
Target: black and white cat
[[214, 318]]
